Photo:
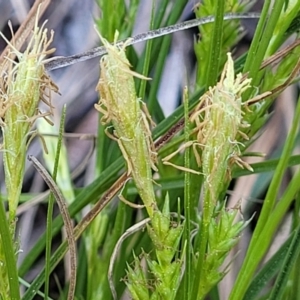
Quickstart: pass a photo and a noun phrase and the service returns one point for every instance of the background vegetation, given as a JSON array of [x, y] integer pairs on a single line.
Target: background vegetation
[[220, 222]]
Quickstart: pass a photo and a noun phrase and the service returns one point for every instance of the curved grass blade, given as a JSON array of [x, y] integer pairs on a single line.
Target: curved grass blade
[[67, 221], [268, 271], [291, 257], [61, 62]]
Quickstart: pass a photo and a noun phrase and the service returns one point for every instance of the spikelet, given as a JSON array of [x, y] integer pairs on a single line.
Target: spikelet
[[23, 84], [218, 119], [119, 104]]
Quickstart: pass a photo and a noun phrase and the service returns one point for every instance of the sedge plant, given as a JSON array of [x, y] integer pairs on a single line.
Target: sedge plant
[[165, 239]]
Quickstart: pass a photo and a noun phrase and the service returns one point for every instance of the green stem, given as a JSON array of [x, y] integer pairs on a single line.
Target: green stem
[[215, 45], [9, 253], [163, 52], [51, 205], [187, 203], [202, 242], [262, 38]]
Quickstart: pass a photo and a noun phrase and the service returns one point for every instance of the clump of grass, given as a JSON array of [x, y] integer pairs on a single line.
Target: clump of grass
[[171, 260]]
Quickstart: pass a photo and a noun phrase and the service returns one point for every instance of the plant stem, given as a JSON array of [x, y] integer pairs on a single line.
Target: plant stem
[[10, 264]]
